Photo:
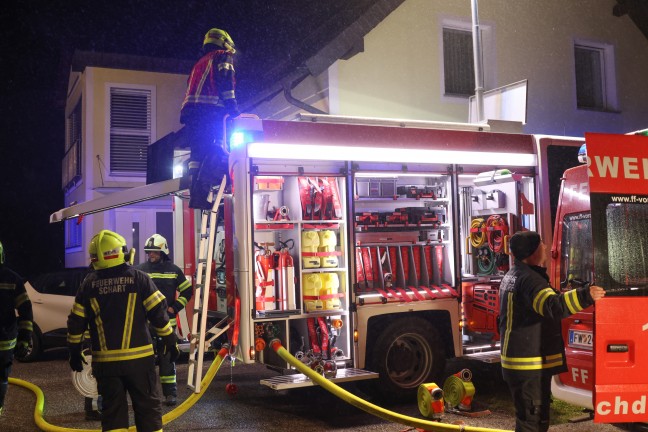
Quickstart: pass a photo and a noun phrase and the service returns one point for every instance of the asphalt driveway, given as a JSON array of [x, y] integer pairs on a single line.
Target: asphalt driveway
[[254, 408]]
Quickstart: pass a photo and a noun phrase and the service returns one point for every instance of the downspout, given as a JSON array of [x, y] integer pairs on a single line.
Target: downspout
[[287, 90], [479, 75]]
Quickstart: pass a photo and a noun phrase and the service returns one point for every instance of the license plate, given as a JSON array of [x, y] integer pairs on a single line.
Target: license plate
[[580, 339]]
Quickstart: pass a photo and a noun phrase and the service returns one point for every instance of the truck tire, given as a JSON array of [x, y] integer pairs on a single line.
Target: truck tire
[[408, 353]]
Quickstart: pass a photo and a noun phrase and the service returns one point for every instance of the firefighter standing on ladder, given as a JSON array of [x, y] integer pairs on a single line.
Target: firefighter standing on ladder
[[15, 331], [117, 302], [168, 278], [532, 346], [209, 97]]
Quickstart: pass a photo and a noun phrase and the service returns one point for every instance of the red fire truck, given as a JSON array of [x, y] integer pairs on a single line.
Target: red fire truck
[[600, 236], [372, 248]]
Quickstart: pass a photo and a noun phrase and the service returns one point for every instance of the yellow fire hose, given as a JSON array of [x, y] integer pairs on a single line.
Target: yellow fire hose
[[166, 418], [368, 406]]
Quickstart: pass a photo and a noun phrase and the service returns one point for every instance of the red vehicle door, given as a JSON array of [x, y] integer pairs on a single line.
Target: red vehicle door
[[618, 176]]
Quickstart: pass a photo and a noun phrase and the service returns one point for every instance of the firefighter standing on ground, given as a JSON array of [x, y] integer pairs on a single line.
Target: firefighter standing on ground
[[209, 97], [168, 278], [532, 346], [117, 302], [15, 331]]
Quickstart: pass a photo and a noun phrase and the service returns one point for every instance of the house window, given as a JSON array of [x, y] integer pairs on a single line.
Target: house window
[[458, 63], [595, 76], [73, 233], [73, 147], [130, 130]]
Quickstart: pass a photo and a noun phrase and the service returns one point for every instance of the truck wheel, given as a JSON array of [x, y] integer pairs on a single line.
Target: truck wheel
[[408, 353]]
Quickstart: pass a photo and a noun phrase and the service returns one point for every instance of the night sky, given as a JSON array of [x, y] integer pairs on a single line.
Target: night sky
[[37, 41]]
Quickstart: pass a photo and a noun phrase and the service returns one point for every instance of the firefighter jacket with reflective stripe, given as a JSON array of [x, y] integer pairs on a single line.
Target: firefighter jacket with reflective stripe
[[530, 320], [13, 297], [211, 82], [116, 304], [168, 278]]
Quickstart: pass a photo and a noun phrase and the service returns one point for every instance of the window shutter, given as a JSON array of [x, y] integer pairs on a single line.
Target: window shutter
[[459, 70], [130, 130]]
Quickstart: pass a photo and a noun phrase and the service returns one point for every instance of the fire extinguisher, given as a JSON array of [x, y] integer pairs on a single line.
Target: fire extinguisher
[[264, 279], [285, 268]]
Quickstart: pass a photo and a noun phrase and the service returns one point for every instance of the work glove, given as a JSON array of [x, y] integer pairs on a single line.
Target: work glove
[[77, 359], [22, 349], [171, 347], [232, 108]]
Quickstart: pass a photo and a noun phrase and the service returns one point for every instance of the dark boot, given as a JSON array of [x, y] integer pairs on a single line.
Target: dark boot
[[198, 196], [92, 413]]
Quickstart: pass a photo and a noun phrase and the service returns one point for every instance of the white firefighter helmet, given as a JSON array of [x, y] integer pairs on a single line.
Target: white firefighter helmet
[[156, 243]]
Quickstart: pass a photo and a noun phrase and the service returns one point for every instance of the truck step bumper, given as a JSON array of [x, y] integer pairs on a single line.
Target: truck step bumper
[[284, 382]]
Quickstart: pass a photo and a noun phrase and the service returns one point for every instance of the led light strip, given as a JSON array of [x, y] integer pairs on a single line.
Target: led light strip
[[398, 155]]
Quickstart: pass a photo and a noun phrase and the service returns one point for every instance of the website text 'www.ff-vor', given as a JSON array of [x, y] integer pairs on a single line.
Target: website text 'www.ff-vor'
[[630, 199]]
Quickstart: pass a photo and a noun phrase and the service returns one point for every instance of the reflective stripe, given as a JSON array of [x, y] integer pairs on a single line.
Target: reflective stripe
[[182, 301], [204, 76], [22, 298], [100, 330], [122, 354], [7, 345], [170, 379], [211, 100], [532, 363], [123, 430], [572, 302], [226, 66], [25, 325], [541, 298], [164, 331], [183, 286], [173, 322], [228, 94], [128, 320], [509, 321], [163, 275], [78, 310], [7, 286], [153, 300], [74, 339]]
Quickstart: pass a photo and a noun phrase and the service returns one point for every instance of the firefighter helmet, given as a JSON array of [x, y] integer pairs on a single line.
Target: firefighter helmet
[[220, 38], [1, 254], [156, 243], [107, 249]]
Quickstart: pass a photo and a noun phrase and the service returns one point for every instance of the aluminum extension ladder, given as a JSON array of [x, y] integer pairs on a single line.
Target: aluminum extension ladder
[[198, 339]]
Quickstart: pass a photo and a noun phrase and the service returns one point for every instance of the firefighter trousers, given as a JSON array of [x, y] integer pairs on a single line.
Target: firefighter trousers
[[142, 386], [532, 400], [6, 359], [167, 373]]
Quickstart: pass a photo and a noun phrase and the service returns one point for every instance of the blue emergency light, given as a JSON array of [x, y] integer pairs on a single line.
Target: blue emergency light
[[582, 154], [238, 138]]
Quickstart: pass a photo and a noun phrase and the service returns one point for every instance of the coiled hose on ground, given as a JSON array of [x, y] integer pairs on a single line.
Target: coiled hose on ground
[[166, 418]]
